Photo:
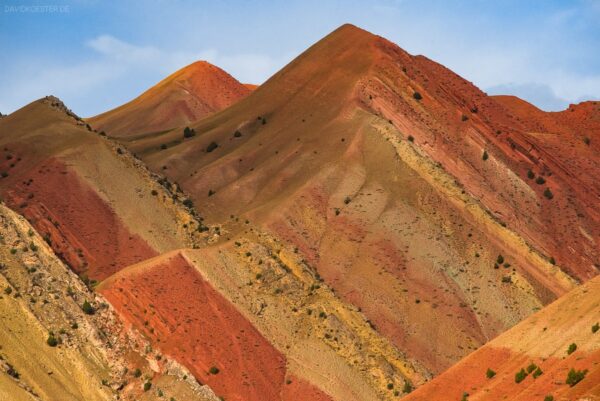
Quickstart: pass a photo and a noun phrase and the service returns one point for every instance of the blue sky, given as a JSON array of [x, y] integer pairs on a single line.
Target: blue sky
[[95, 54]]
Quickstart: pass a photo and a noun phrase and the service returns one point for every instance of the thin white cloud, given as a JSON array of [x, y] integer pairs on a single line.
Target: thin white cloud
[[122, 51]]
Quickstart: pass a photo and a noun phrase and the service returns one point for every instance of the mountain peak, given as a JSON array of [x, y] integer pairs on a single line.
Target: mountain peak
[[185, 96]]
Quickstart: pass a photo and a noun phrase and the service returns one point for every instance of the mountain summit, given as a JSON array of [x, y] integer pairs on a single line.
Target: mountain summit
[[187, 95]]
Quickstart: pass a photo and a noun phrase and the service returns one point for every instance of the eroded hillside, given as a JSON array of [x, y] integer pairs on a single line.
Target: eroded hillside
[[60, 340], [402, 185]]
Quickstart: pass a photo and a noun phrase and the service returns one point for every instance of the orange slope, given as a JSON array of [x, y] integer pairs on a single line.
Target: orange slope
[[409, 231], [543, 339], [186, 96], [171, 303], [60, 175]]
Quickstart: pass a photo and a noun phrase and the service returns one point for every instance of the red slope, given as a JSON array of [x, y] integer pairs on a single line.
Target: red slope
[[187, 95], [173, 305]]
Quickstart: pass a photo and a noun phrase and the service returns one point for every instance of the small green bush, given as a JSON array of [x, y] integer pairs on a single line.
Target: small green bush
[[540, 180], [537, 373], [464, 117], [520, 376], [485, 155], [8, 290], [595, 327], [213, 370], [237, 134], [575, 376], [88, 309], [188, 203], [531, 368], [52, 341], [407, 387], [390, 386], [490, 373], [188, 132], [137, 373], [572, 348], [548, 194], [549, 398], [147, 386], [417, 96], [411, 138], [530, 174], [211, 146], [500, 259]]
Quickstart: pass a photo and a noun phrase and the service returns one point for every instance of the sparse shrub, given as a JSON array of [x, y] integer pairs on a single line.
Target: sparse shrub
[[147, 386], [8, 290], [485, 155], [587, 140], [52, 341], [540, 180], [237, 134], [530, 174], [211, 146], [572, 348], [417, 96], [411, 138], [322, 315], [520, 376], [390, 386], [33, 247], [347, 200], [531, 368], [500, 259], [13, 251], [163, 146], [490, 373], [88, 309], [407, 387], [549, 398], [548, 194], [188, 132], [188, 203], [575, 376], [595, 327], [74, 326], [137, 373], [211, 192], [154, 192], [537, 373], [552, 261], [506, 279], [464, 117], [213, 370], [465, 397]]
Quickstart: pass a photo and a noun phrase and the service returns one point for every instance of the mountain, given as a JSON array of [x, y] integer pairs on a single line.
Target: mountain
[[370, 162], [186, 96], [60, 175], [561, 337], [349, 230], [52, 347]]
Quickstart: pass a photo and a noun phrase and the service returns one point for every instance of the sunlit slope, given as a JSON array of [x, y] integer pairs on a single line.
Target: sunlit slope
[[187, 95], [563, 336], [388, 195], [93, 202]]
